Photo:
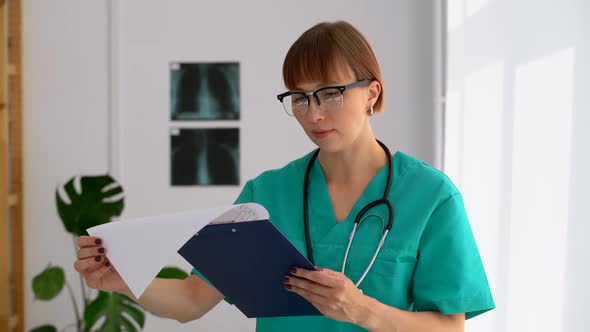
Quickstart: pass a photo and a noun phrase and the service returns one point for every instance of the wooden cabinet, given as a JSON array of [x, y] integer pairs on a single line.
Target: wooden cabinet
[[11, 176]]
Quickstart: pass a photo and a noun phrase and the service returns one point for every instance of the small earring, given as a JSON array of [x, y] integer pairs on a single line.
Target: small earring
[[372, 111]]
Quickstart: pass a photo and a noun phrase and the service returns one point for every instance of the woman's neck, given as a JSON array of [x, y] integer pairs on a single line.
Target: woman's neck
[[357, 164]]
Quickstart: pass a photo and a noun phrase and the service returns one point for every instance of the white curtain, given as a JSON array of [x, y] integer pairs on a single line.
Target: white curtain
[[516, 133]]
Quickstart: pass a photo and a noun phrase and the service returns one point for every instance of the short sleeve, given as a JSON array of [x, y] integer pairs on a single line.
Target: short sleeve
[[449, 275], [246, 196]]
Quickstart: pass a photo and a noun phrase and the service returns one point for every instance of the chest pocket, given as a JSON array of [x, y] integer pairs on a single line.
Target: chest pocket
[[390, 278]]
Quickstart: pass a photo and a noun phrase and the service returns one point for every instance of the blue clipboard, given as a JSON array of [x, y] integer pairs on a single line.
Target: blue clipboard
[[246, 261]]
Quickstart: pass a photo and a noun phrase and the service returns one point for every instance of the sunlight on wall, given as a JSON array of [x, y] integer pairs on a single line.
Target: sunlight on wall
[[459, 10], [453, 136], [455, 14], [540, 192], [473, 157], [473, 6], [482, 159]]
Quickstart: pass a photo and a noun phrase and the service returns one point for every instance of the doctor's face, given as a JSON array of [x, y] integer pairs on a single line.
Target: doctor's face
[[341, 116]]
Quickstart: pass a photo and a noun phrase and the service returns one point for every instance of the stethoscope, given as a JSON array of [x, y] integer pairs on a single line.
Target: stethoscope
[[358, 217]]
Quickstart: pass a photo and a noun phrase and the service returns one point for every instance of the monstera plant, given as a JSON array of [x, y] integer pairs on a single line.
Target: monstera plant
[[84, 202]]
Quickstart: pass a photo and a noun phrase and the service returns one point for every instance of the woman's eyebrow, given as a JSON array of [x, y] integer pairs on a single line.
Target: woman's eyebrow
[[322, 85]]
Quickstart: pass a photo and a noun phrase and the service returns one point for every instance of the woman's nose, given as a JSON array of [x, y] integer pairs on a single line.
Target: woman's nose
[[315, 112]]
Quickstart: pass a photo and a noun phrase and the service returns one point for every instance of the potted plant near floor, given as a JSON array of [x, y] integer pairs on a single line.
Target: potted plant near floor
[[84, 202]]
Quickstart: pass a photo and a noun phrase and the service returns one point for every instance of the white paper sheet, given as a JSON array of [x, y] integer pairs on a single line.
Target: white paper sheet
[[139, 248]]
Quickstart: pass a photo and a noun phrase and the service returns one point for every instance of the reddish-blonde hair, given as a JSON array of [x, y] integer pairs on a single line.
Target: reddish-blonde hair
[[317, 53]]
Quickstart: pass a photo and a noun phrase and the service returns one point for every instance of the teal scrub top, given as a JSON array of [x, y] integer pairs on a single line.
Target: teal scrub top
[[429, 262]]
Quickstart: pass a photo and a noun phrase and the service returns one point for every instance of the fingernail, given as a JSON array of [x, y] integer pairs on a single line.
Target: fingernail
[[98, 241], [101, 250], [287, 286], [97, 258], [108, 264], [293, 271], [285, 279]]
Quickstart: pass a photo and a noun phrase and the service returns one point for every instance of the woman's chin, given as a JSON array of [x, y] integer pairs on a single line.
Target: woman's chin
[[328, 145]]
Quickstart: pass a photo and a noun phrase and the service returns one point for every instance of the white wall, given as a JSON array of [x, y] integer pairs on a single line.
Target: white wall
[[577, 288], [65, 128], [517, 145], [69, 129], [149, 39]]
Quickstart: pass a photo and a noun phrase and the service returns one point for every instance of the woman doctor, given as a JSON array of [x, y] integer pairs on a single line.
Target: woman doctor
[[412, 264]]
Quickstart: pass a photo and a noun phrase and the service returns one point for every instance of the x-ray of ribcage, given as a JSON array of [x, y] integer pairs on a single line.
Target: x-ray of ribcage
[[205, 156], [205, 91]]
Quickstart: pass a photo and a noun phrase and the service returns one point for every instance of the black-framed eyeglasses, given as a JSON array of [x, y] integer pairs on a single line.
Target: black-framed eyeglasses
[[328, 98]]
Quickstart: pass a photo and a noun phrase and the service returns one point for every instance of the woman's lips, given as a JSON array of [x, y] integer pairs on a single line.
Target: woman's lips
[[321, 133]]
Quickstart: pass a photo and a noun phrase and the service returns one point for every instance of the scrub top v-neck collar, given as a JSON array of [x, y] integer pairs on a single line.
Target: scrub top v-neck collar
[[322, 216]]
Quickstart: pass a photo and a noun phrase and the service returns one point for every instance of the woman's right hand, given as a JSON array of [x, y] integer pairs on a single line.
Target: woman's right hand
[[95, 267]]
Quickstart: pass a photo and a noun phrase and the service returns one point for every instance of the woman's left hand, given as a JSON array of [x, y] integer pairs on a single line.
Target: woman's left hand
[[331, 292]]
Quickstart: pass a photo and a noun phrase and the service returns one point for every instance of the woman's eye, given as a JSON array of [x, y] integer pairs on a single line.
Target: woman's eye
[[331, 97], [299, 101]]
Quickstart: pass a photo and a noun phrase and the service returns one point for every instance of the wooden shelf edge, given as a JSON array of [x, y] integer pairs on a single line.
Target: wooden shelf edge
[[14, 320], [11, 69], [12, 200]]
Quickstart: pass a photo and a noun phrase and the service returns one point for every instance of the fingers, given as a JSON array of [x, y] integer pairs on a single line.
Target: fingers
[[95, 277], [325, 277], [94, 271], [294, 283], [89, 241], [90, 255], [92, 263], [91, 252], [88, 265], [314, 298]]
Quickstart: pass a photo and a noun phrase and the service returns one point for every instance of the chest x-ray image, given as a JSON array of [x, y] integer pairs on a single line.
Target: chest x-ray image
[[205, 156], [205, 91]]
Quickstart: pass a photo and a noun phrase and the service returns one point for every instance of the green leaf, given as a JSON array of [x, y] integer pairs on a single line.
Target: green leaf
[[49, 283], [44, 328], [89, 201], [129, 327], [120, 314], [172, 273]]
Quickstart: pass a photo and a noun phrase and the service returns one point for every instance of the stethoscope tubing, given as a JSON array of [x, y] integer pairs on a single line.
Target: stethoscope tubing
[[358, 217]]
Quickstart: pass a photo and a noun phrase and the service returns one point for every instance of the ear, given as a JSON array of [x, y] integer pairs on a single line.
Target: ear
[[374, 92]]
